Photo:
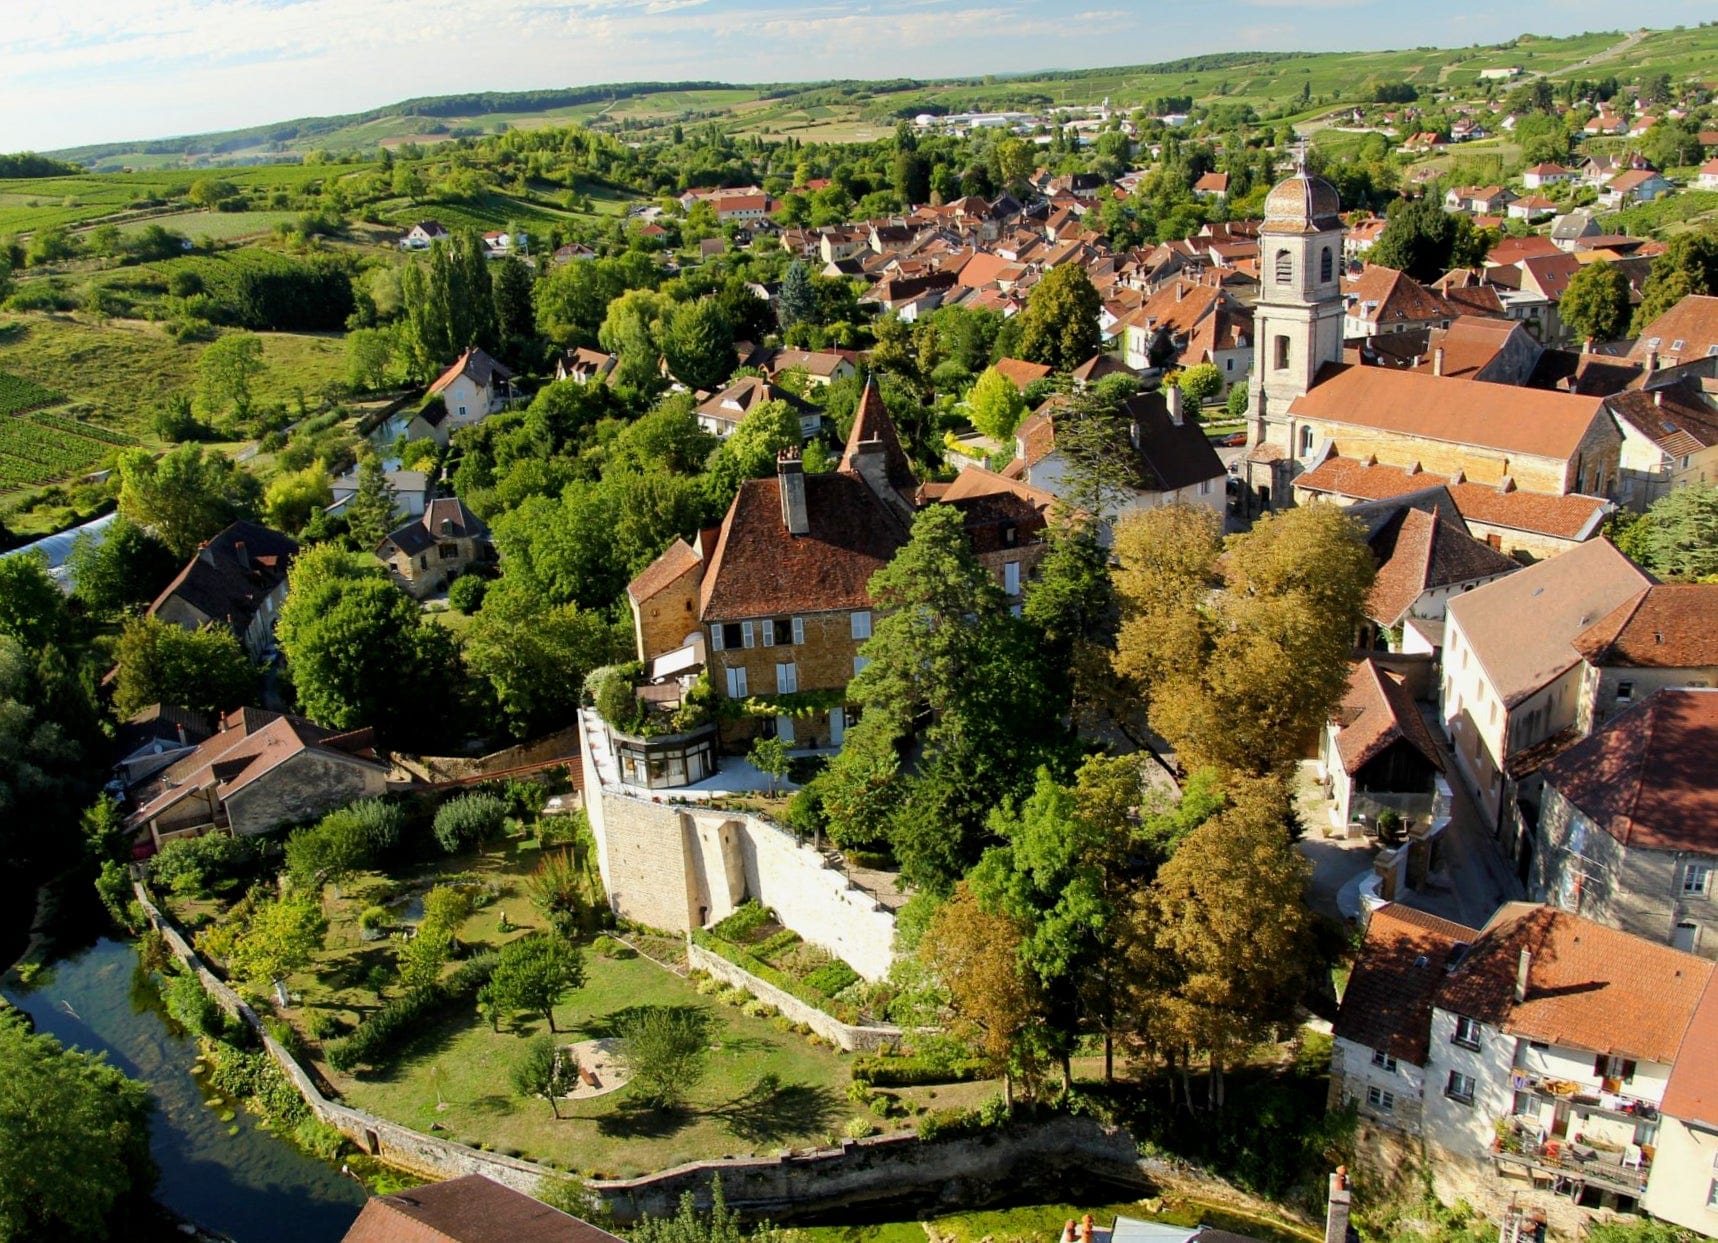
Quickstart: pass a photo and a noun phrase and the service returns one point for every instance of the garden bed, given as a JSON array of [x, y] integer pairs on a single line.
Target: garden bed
[[753, 940]]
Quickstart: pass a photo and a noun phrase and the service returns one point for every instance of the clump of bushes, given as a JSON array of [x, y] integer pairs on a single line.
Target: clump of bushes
[[199, 867], [893, 1071], [467, 820], [387, 1028], [466, 592]]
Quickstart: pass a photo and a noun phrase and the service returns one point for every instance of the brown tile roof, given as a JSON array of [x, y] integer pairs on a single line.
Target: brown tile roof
[[250, 744], [1464, 412], [1383, 295], [675, 560], [1571, 517], [760, 570], [482, 369], [872, 424], [1419, 551], [1665, 626], [977, 481], [1388, 1003], [1037, 434], [1589, 987], [1020, 371], [1692, 321], [1692, 1093], [1375, 712], [1470, 344], [472, 1209], [445, 517], [1674, 417], [1562, 596], [1645, 776]]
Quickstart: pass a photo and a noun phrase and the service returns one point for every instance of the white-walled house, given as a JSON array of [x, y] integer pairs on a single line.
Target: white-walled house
[[1511, 673], [1548, 1045], [473, 388]]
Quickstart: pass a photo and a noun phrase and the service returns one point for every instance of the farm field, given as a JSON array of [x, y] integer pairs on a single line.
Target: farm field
[[223, 226], [122, 368], [41, 447], [35, 203], [18, 395]]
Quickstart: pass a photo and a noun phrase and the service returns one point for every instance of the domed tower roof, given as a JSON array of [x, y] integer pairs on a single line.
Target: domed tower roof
[[1302, 204]]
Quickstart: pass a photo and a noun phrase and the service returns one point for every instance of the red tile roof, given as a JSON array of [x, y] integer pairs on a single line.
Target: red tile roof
[[473, 1209], [1645, 776], [1376, 711], [1020, 371], [872, 425], [1693, 322], [1692, 1093], [1385, 296], [676, 560], [1420, 551], [1589, 987], [1388, 1002], [1665, 626], [1464, 412], [482, 369]]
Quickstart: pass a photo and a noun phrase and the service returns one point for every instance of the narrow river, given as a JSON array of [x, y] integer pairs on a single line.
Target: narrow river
[[252, 1186]]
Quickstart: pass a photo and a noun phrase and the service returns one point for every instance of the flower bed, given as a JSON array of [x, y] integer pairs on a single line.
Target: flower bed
[[752, 940]]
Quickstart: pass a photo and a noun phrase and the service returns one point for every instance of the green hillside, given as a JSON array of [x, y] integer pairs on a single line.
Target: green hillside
[[1276, 83]]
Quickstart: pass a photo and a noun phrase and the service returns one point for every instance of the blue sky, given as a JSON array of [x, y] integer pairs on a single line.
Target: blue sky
[[81, 71]]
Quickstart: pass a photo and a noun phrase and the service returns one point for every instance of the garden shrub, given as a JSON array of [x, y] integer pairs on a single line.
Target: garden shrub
[[387, 1028], [467, 819], [892, 1071], [199, 866], [831, 978], [465, 593], [709, 986], [324, 1025], [734, 997], [859, 1128], [374, 919], [747, 918], [757, 1009], [191, 1006]]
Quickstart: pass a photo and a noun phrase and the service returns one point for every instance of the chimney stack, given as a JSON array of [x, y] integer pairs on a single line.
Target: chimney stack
[[1171, 394], [1651, 361], [1658, 397], [1523, 966], [790, 471], [242, 553], [1587, 345], [1336, 1213], [1438, 361]]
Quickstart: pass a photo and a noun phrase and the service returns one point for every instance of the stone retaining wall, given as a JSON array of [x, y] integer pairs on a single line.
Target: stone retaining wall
[[963, 1171], [854, 1039]]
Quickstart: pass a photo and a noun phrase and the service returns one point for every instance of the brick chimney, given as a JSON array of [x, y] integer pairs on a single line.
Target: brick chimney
[[1651, 361], [1523, 969], [1336, 1213], [1438, 361], [790, 472]]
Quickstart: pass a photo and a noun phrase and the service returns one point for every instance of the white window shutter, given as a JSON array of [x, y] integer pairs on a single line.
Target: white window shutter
[[861, 622], [746, 634], [734, 683], [798, 630], [769, 632], [716, 637]]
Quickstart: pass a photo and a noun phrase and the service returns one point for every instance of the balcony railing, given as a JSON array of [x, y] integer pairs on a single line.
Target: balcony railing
[[1572, 1164], [1583, 1099]]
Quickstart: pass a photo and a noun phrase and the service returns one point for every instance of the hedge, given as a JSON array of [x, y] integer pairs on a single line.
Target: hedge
[[889, 1071], [772, 975], [397, 1021]]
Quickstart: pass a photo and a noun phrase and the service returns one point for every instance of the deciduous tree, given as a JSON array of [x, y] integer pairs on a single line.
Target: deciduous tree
[[294, 496], [995, 405], [1596, 302], [205, 670], [535, 972], [1059, 326], [975, 954], [185, 496], [535, 656], [227, 371], [699, 344], [666, 1049]]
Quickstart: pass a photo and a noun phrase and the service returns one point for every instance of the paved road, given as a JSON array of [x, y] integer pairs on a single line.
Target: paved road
[[1474, 878]]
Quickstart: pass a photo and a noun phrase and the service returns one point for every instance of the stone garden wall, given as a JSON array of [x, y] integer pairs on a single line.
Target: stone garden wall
[[854, 1039]]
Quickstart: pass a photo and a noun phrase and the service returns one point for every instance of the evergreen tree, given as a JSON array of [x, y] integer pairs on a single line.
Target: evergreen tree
[[371, 511], [797, 299]]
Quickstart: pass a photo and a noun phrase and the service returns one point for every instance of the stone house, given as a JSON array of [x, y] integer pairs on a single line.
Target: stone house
[[1509, 685], [1628, 831], [260, 771], [1383, 300], [1687, 331], [1663, 636], [779, 593], [473, 1209], [237, 580], [424, 556], [1670, 440]]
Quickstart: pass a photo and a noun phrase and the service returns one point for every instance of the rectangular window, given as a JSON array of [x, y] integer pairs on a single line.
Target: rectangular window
[[859, 663], [1378, 1098], [786, 679], [1382, 1060], [1697, 879], [737, 684], [861, 620], [1282, 353], [1625, 692], [1712, 1195], [1011, 577], [1460, 1088], [1467, 1033], [733, 635]]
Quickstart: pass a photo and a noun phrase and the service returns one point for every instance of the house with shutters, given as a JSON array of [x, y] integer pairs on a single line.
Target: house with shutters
[[1627, 830], [1531, 1061], [776, 601], [472, 389], [448, 540]]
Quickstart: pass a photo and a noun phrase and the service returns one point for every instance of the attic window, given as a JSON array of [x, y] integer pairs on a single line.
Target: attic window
[[1712, 351], [1678, 344], [1652, 343]]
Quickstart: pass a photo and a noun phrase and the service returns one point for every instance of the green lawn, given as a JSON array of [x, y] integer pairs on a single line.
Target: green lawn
[[1039, 1223], [461, 1064], [122, 368]]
